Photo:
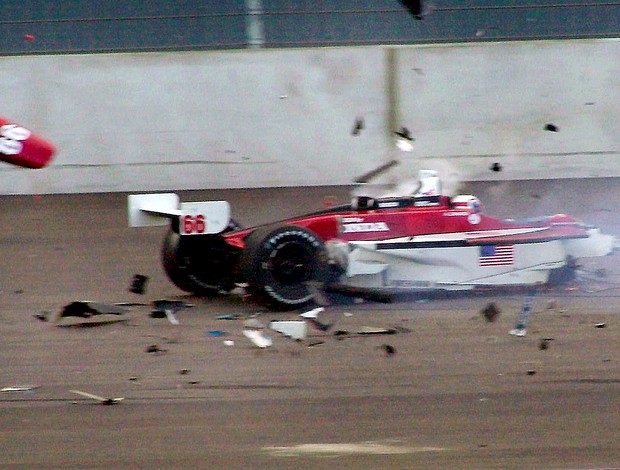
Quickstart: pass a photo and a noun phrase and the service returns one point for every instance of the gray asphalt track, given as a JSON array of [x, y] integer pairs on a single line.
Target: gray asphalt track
[[459, 393]]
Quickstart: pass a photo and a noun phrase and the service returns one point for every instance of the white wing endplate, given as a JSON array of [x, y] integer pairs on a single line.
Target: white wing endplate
[[195, 218]]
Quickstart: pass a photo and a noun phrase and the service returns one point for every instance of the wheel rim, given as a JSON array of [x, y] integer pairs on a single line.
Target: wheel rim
[[290, 264]]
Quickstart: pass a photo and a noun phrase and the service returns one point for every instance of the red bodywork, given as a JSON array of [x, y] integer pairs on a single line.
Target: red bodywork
[[410, 220], [28, 150]]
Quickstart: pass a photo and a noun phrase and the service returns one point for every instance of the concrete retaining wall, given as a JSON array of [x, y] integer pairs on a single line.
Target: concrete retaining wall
[[193, 120]]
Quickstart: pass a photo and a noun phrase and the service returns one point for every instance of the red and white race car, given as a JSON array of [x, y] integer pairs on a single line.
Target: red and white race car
[[424, 241]]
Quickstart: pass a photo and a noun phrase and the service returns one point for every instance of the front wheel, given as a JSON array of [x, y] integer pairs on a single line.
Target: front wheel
[[279, 262]]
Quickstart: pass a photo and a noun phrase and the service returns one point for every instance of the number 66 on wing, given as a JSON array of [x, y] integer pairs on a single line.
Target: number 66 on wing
[[195, 218]]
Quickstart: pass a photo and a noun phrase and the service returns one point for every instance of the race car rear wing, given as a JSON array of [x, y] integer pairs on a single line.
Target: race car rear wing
[[195, 218]]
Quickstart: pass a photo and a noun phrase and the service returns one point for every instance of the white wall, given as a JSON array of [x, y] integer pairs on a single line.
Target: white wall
[[193, 120]]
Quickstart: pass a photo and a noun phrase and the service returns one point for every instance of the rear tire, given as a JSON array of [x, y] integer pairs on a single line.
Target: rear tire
[[278, 262], [199, 264]]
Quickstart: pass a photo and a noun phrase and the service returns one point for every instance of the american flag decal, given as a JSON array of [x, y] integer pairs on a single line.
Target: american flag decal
[[496, 255]]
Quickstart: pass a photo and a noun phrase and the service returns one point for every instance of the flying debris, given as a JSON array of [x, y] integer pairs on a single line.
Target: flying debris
[[543, 344], [372, 174], [86, 309], [312, 317], [496, 167], [138, 284], [101, 400], [358, 125], [388, 349], [168, 308], [417, 8], [20, 388], [155, 349], [490, 312], [258, 338], [296, 330], [373, 330], [318, 295], [404, 140], [552, 128]]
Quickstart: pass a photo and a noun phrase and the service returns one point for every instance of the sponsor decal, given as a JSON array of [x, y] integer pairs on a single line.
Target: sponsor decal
[[496, 255], [389, 204], [456, 214], [365, 227], [425, 203], [473, 219]]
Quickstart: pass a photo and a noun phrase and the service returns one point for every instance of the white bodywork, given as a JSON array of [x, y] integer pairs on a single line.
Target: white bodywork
[[195, 218], [373, 265]]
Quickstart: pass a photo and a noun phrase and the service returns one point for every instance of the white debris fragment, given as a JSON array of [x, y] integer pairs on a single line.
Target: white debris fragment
[[294, 329], [314, 313], [258, 338]]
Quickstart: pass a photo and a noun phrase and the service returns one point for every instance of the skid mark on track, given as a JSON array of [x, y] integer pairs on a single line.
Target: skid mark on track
[[363, 448]]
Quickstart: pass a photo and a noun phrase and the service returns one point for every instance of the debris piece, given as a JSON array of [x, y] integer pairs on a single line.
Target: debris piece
[[258, 338], [154, 348], [253, 323], [216, 333], [312, 317], [138, 284], [90, 323], [228, 316], [600, 325], [520, 332], [314, 343], [102, 400], [168, 308], [21, 388], [341, 333], [358, 125], [171, 317], [490, 312], [416, 8], [184, 371], [496, 167], [368, 176], [133, 378], [405, 140], [314, 313], [531, 372], [294, 329], [543, 344], [372, 330], [85, 309], [388, 349], [43, 316], [552, 128], [318, 294], [162, 305], [229, 342], [29, 37]]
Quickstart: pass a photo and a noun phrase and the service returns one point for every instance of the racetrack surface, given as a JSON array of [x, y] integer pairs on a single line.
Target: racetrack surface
[[457, 393]]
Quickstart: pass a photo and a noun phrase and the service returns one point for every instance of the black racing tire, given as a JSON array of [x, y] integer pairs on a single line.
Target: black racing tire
[[278, 262], [199, 264]]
